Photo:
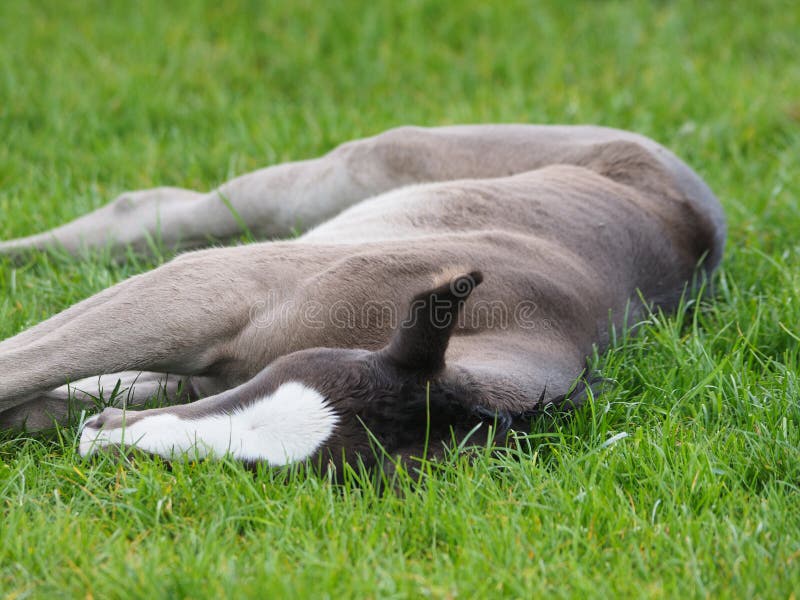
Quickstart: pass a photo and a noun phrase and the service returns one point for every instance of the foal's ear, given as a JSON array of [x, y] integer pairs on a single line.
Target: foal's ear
[[420, 341]]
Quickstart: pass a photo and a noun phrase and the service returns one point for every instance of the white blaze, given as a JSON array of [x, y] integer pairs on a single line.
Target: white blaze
[[286, 426]]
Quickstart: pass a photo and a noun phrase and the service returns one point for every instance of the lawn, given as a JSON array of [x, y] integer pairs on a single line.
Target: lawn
[[681, 480]]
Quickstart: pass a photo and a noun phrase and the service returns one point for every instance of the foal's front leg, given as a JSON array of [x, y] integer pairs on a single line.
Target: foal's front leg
[[129, 389], [182, 318]]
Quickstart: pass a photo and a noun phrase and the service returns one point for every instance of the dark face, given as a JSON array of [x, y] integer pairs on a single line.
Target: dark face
[[391, 399], [378, 404]]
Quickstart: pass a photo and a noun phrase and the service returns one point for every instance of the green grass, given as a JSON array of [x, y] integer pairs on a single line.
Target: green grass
[[702, 498]]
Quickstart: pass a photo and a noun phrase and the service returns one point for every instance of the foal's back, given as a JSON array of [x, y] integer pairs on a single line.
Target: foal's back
[[513, 178]]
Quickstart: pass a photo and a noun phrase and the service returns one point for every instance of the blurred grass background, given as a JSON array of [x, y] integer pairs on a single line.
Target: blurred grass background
[[701, 498]]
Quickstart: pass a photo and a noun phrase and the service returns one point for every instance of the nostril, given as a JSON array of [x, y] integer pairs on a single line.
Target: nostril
[[93, 422], [109, 417]]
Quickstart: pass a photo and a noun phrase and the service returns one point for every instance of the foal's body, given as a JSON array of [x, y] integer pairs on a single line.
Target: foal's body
[[571, 229]]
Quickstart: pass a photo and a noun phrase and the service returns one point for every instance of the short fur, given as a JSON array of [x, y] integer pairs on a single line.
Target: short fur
[[570, 229]]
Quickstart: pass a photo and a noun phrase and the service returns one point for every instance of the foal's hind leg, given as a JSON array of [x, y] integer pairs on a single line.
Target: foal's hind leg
[[276, 201], [133, 219], [270, 202]]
